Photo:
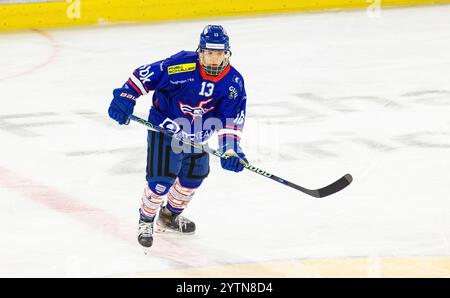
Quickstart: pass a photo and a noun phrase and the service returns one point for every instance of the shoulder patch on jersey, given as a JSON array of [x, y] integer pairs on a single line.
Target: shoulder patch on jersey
[[179, 68], [238, 80]]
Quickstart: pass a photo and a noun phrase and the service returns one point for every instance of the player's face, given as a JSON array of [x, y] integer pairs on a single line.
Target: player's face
[[214, 61], [213, 58]]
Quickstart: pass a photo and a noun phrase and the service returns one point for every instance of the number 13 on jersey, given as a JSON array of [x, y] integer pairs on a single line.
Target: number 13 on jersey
[[207, 89]]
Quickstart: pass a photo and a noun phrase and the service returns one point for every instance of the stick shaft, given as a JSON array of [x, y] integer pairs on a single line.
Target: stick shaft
[[318, 193]]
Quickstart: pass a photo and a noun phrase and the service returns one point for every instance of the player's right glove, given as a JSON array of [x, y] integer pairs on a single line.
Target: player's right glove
[[122, 105]]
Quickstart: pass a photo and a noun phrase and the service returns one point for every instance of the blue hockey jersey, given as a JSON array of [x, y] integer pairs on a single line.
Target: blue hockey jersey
[[188, 101]]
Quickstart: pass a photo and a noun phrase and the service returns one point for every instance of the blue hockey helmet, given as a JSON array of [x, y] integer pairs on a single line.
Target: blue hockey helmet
[[214, 49], [214, 37]]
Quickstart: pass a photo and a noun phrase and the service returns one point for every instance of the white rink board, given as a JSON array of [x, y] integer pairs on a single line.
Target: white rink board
[[328, 93]]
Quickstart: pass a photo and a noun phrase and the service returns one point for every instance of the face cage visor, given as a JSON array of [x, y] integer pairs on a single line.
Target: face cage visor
[[211, 69]]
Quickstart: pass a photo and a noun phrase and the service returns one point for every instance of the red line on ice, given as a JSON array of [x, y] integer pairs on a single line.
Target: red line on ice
[[55, 51], [100, 220]]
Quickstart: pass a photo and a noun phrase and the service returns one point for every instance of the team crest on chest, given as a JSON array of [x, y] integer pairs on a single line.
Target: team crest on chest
[[197, 111]]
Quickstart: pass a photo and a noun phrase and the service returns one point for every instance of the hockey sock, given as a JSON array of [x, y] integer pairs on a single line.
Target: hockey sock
[[178, 197], [151, 201]]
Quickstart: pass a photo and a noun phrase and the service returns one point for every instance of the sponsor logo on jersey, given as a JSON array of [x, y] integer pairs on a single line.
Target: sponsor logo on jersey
[[181, 81], [170, 125], [200, 136], [197, 111], [233, 93], [238, 81], [173, 127], [145, 74], [179, 68]]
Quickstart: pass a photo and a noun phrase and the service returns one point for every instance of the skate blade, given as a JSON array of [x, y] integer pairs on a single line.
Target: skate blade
[[146, 250], [162, 230]]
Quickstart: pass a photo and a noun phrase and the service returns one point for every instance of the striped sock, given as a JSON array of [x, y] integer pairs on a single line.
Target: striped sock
[[150, 203], [178, 197]]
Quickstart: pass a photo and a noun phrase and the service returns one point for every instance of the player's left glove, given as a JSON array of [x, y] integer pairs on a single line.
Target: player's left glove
[[232, 163], [122, 106]]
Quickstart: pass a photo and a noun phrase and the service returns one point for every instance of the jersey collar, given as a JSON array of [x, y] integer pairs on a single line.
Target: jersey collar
[[214, 79]]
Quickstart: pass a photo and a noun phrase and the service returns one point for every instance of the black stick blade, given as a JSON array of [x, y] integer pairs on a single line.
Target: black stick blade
[[336, 186]]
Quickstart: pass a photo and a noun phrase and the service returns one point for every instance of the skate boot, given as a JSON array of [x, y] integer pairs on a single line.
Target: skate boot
[[145, 232], [169, 222]]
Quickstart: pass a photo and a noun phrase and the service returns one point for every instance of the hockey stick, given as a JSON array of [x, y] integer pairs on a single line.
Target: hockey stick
[[317, 193]]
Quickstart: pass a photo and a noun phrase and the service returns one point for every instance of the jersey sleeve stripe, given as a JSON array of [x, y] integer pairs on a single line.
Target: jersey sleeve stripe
[[137, 76], [138, 84], [134, 86]]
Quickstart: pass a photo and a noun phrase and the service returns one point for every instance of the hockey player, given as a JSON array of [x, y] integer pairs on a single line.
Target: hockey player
[[194, 94]]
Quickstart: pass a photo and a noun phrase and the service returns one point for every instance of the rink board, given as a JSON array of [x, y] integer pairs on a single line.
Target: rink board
[[46, 14]]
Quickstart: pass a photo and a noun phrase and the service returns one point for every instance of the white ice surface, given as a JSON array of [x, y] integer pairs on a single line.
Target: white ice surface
[[328, 94]]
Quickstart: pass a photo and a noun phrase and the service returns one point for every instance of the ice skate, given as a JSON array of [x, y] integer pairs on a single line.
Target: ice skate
[[145, 232], [169, 222]]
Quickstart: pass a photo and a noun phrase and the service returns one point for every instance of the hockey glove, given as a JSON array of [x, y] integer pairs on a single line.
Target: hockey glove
[[122, 106], [232, 163]]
